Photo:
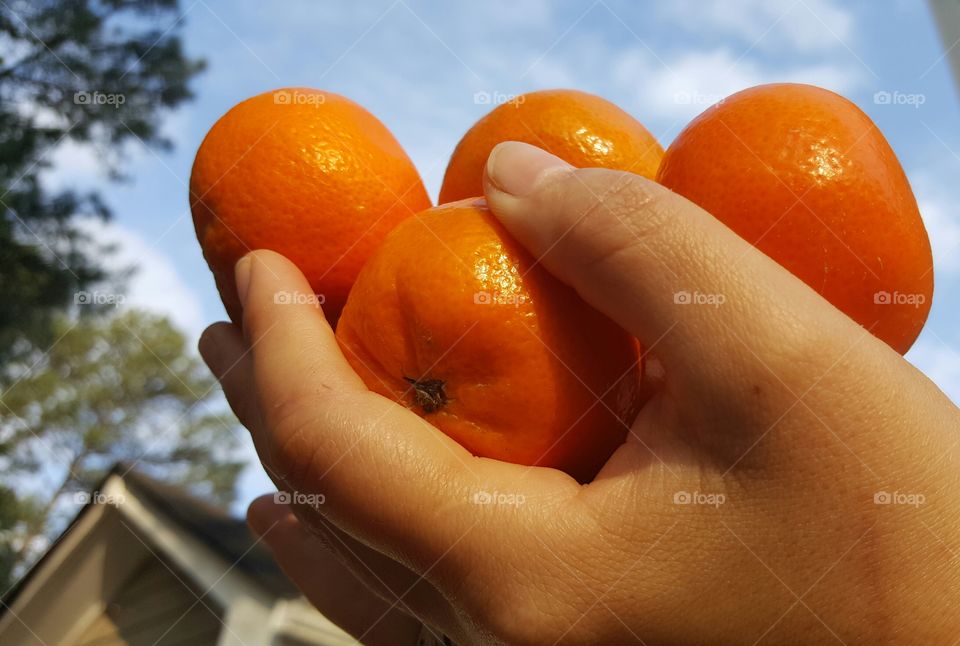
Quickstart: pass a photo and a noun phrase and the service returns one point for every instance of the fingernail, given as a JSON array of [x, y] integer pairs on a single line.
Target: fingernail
[[517, 168], [241, 273]]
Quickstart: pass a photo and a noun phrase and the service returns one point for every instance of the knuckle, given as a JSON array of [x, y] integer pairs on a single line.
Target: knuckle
[[292, 438], [607, 214], [638, 204]]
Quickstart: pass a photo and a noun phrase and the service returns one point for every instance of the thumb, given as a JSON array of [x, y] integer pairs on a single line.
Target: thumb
[[717, 312]]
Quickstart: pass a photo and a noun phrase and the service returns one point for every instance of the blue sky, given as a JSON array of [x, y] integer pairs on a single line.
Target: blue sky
[[417, 66]]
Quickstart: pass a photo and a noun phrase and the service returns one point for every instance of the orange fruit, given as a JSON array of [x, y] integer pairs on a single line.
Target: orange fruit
[[806, 177], [454, 320], [582, 129], [309, 174]]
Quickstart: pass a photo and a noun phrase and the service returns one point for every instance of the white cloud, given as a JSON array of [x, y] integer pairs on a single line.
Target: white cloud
[[74, 165], [684, 87], [550, 73], [944, 230], [81, 165], [680, 88], [937, 352], [800, 25], [156, 286], [941, 220]]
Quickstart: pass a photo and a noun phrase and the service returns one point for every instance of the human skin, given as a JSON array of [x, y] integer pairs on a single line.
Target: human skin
[[786, 419]]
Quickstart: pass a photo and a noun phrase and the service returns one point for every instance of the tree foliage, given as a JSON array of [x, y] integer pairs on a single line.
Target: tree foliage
[[120, 387], [96, 72], [82, 387]]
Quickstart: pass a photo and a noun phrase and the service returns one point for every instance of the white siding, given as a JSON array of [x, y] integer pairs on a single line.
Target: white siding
[[155, 608]]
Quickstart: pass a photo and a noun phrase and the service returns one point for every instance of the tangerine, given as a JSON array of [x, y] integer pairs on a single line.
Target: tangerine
[[582, 129], [806, 177], [454, 320], [308, 174]]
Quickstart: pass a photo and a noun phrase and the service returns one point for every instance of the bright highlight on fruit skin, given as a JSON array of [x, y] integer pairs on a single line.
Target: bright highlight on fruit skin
[[825, 163], [496, 272]]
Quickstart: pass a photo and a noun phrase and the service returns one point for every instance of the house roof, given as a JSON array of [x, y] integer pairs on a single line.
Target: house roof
[[224, 534], [227, 535]]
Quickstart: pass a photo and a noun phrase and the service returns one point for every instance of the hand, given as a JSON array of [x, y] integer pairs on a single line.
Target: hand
[[742, 509]]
